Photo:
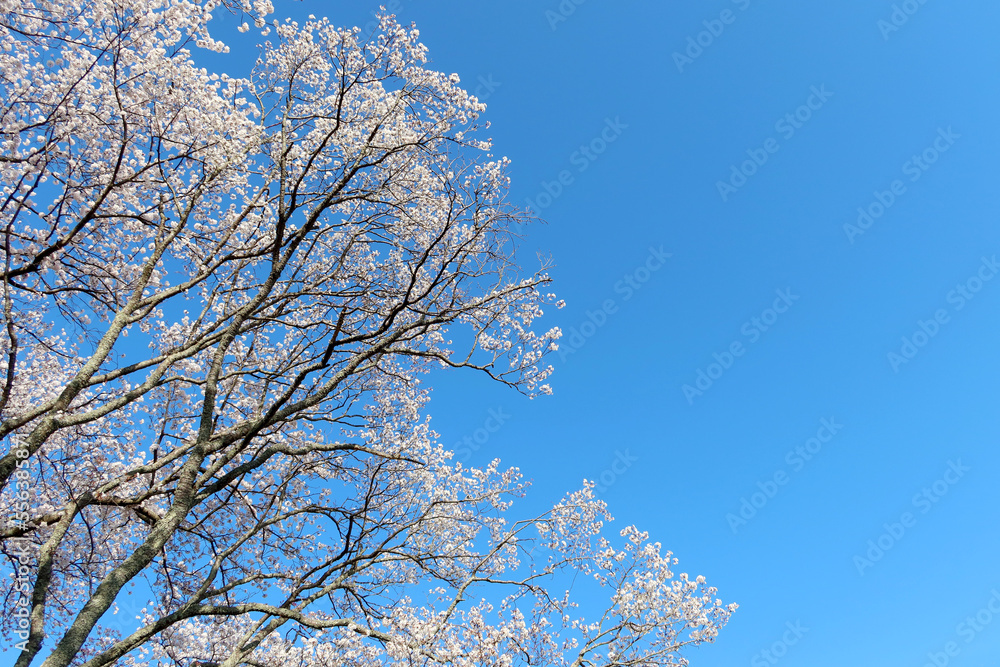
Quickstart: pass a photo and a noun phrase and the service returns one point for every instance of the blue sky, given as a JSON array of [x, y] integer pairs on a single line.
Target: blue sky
[[896, 118]]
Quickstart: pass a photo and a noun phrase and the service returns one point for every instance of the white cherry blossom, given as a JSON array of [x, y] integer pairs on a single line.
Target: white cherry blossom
[[220, 296]]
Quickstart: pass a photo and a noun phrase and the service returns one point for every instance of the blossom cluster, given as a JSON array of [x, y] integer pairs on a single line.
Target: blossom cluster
[[220, 297]]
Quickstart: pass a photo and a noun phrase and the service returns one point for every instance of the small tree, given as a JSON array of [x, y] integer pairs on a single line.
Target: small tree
[[219, 295]]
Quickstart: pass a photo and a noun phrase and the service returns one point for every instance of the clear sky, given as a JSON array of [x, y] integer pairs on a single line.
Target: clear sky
[[741, 138]]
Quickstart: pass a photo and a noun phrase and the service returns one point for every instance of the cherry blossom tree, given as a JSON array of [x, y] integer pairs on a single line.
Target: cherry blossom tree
[[220, 294]]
